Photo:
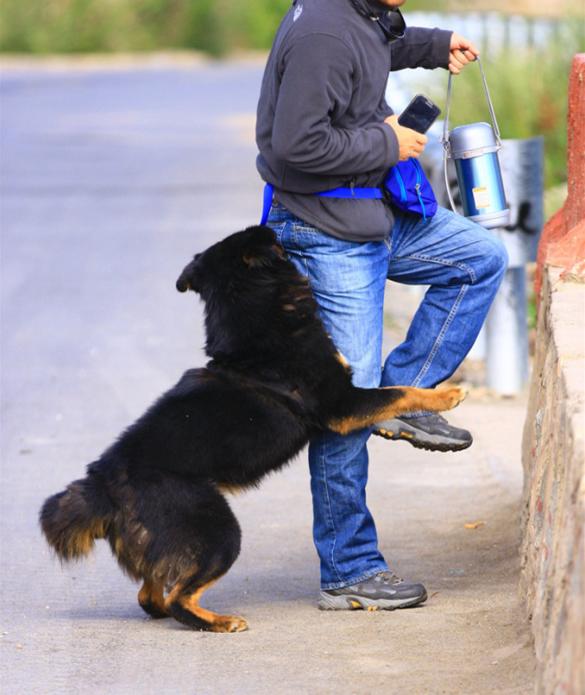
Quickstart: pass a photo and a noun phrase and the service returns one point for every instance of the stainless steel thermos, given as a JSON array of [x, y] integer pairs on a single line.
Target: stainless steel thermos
[[474, 150]]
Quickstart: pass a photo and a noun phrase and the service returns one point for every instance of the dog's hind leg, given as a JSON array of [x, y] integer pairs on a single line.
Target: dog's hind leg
[[151, 599], [211, 545], [193, 540]]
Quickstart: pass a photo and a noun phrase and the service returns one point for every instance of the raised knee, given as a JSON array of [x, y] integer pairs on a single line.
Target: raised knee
[[494, 260], [500, 255]]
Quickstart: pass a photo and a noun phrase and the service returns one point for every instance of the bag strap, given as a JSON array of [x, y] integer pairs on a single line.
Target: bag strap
[[342, 192], [357, 193], [445, 139], [266, 202]]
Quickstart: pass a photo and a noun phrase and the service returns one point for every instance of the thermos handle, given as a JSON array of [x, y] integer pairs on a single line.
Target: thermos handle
[[489, 102], [446, 143]]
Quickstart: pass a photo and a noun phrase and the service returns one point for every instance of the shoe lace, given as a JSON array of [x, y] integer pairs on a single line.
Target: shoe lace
[[388, 577]]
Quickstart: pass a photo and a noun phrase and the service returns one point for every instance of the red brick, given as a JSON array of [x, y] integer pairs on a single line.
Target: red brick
[[563, 238]]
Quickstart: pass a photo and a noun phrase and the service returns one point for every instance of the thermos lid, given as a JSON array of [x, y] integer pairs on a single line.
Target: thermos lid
[[472, 140]]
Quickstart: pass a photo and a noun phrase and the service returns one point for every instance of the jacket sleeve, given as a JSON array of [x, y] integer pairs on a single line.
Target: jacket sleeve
[[316, 89], [421, 48]]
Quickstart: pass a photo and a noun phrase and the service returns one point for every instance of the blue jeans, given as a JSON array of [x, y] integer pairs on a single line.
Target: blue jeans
[[463, 263]]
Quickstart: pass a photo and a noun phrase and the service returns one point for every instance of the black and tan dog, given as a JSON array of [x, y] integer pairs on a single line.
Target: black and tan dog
[[274, 380]]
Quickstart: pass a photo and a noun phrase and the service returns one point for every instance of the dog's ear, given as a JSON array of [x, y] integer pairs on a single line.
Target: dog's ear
[[263, 248], [261, 234]]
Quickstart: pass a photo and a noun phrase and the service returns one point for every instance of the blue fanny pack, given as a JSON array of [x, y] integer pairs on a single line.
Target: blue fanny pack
[[406, 186], [410, 189]]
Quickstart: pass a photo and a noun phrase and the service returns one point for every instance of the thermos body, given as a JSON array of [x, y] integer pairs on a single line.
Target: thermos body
[[474, 149]]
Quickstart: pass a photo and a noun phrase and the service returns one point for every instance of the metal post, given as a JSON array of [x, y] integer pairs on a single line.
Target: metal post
[[507, 335], [506, 325]]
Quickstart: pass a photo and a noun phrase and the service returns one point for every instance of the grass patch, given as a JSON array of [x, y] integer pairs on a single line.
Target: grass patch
[[80, 26]]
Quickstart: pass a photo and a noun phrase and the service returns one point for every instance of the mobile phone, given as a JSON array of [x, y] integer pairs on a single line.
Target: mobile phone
[[420, 114]]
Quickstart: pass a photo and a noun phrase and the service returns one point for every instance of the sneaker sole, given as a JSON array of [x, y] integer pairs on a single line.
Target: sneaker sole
[[437, 443], [352, 602]]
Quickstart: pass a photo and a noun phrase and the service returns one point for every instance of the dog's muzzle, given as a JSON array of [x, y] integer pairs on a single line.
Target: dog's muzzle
[[187, 279]]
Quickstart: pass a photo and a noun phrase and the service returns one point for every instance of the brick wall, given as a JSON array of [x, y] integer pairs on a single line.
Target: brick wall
[[553, 544]]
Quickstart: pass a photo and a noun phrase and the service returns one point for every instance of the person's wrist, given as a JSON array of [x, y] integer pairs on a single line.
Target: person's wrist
[[393, 145], [444, 47]]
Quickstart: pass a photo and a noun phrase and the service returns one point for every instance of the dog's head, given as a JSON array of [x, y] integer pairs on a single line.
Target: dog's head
[[246, 283], [231, 262]]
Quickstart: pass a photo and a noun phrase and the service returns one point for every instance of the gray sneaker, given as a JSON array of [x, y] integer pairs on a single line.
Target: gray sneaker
[[431, 432], [384, 591]]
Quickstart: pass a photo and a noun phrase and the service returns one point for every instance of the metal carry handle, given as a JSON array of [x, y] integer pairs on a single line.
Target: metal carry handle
[[445, 139], [446, 144]]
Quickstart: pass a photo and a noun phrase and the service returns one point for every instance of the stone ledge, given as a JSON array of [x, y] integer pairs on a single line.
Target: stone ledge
[[553, 547]]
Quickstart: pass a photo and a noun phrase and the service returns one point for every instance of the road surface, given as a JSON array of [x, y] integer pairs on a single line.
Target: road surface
[[111, 180]]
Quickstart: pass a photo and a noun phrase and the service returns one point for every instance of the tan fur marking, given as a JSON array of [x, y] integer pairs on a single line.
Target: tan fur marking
[[413, 399], [118, 546], [217, 622], [82, 541], [341, 359], [152, 592], [226, 489]]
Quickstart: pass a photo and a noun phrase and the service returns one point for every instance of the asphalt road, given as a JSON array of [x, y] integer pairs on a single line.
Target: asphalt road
[[111, 180]]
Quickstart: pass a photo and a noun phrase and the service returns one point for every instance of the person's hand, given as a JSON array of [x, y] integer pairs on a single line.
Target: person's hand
[[410, 142], [461, 52]]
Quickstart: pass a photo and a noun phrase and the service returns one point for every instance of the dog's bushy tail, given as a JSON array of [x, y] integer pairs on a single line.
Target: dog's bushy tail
[[73, 519]]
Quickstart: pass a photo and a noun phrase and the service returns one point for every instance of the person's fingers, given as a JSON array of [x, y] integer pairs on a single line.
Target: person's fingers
[[421, 139], [460, 56], [455, 62], [465, 45], [472, 48], [453, 69]]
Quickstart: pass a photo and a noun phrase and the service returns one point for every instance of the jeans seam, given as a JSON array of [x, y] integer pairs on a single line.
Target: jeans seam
[[439, 341], [300, 253], [330, 515], [442, 261]]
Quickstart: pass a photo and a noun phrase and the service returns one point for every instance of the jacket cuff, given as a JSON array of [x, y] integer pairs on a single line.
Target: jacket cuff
[[391, 144], [442, 47]]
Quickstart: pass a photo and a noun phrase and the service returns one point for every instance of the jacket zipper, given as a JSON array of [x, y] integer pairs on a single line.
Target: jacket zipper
[[417, 189], [401, 184]]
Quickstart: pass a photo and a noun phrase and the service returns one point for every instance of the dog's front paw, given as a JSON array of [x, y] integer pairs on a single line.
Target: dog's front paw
[[230, 623], [452, 396]]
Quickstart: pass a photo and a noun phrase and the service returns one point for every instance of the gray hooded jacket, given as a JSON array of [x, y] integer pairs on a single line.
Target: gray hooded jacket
[[320, 120]]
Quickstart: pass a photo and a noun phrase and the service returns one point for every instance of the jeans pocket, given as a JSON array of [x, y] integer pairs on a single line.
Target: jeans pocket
[[303, 228]]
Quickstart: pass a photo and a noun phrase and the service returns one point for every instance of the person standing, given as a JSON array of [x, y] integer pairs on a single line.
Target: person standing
[[322, 123]]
